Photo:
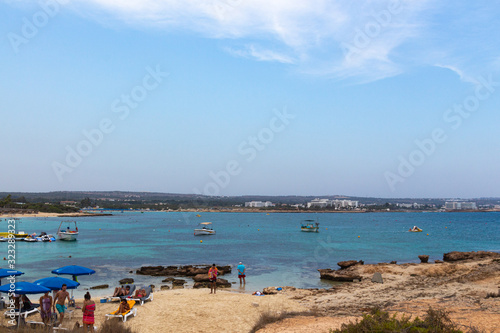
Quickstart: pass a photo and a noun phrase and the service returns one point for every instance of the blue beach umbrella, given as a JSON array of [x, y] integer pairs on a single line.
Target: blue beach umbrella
[[56, 282], [4, 272], [23, 288], [73, 270]]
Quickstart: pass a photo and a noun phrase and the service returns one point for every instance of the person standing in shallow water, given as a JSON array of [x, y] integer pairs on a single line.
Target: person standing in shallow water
[[241, 272], [212, 277]]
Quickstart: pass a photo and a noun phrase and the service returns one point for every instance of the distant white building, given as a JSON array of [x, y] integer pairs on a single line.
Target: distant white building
[[459, 205], [321, 203], [337, 204], [259, 204]]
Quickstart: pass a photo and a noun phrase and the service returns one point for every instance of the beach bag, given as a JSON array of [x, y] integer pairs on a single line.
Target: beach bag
[[53, 318]]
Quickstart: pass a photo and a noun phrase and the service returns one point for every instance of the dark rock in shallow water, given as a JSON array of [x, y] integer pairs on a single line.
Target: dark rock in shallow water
[[221, 283], [188, 270], [164, 287], [178, 282], [101, 286], [126, 281], [424, 259], [349, 263], [169, 279], [457, 256], [340, 276]]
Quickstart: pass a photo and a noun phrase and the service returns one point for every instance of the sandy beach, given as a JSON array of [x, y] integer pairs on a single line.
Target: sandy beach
[[42, 214], [458, 287]]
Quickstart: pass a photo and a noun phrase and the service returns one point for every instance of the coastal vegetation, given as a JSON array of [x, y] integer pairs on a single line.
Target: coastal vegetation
[[435, 321], [20, 204]]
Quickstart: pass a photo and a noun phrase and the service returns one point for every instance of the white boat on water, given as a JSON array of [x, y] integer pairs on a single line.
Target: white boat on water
[[67, 234], [204, 229], [309, 226]]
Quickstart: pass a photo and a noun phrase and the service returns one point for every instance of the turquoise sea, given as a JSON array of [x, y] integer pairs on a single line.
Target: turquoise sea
[[272, 246]]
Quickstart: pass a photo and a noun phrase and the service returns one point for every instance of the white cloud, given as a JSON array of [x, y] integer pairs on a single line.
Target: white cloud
[[363, 40], [260, 54]]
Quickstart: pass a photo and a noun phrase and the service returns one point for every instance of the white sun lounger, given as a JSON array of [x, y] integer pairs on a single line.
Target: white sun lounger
[[132, 311], [24, 313]]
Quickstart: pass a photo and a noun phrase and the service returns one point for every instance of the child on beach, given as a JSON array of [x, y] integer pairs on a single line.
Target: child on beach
[[212, 277]]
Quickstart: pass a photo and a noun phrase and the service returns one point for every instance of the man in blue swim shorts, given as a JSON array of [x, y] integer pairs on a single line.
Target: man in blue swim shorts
[[59, 301]]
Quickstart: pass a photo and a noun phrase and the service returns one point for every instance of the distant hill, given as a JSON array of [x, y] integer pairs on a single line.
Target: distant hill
[[152, 197]]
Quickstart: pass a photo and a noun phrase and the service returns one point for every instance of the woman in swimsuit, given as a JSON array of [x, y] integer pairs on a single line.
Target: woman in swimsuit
[[46, 307], [88, 309]]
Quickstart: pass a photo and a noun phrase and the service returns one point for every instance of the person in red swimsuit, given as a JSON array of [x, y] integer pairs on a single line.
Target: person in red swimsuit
[[88, 309]]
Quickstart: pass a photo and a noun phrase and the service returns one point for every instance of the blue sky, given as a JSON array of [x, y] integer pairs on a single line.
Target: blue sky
[[233, 97]]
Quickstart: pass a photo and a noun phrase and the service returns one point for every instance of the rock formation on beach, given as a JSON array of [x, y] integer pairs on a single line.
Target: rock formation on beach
[[188, 270], [459, 284]]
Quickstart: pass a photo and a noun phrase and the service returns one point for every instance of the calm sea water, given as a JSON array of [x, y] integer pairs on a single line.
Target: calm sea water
[[272, 246]]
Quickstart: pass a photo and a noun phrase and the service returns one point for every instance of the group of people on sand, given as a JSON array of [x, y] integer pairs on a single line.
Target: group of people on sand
[[213, 272], [49, 305]]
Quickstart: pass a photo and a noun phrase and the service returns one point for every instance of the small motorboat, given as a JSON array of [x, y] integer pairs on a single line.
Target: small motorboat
[[67, 234], [309, 226], [415, 229], [204, 229]]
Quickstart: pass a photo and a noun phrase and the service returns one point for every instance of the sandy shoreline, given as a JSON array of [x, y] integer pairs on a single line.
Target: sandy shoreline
[[458, 287], [12, 216]]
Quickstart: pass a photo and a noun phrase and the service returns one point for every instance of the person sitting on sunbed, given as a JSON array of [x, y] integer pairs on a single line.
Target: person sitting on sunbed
[[140, 293], [124, 307], [121, 291], [27, 305]]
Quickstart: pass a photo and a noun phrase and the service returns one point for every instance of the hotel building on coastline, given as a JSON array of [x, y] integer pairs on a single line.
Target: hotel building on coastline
[[337, 204], [460, 205]]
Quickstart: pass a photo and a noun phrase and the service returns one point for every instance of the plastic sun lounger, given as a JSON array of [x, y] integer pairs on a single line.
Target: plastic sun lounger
[[25, 313], [119, 298], [124, 316], [57, 329], [149, 295]]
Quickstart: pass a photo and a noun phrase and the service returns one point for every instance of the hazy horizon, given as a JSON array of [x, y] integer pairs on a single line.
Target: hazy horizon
[[387, 99]]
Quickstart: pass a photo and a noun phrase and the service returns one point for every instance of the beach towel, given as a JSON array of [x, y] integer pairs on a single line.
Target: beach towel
[[130, 304], [88, 314]]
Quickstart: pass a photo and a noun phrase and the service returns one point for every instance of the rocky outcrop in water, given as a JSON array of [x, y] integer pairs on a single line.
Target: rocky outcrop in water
[[221, 283], [339, 276], [188, 270], [349, 263], [457, 256]]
